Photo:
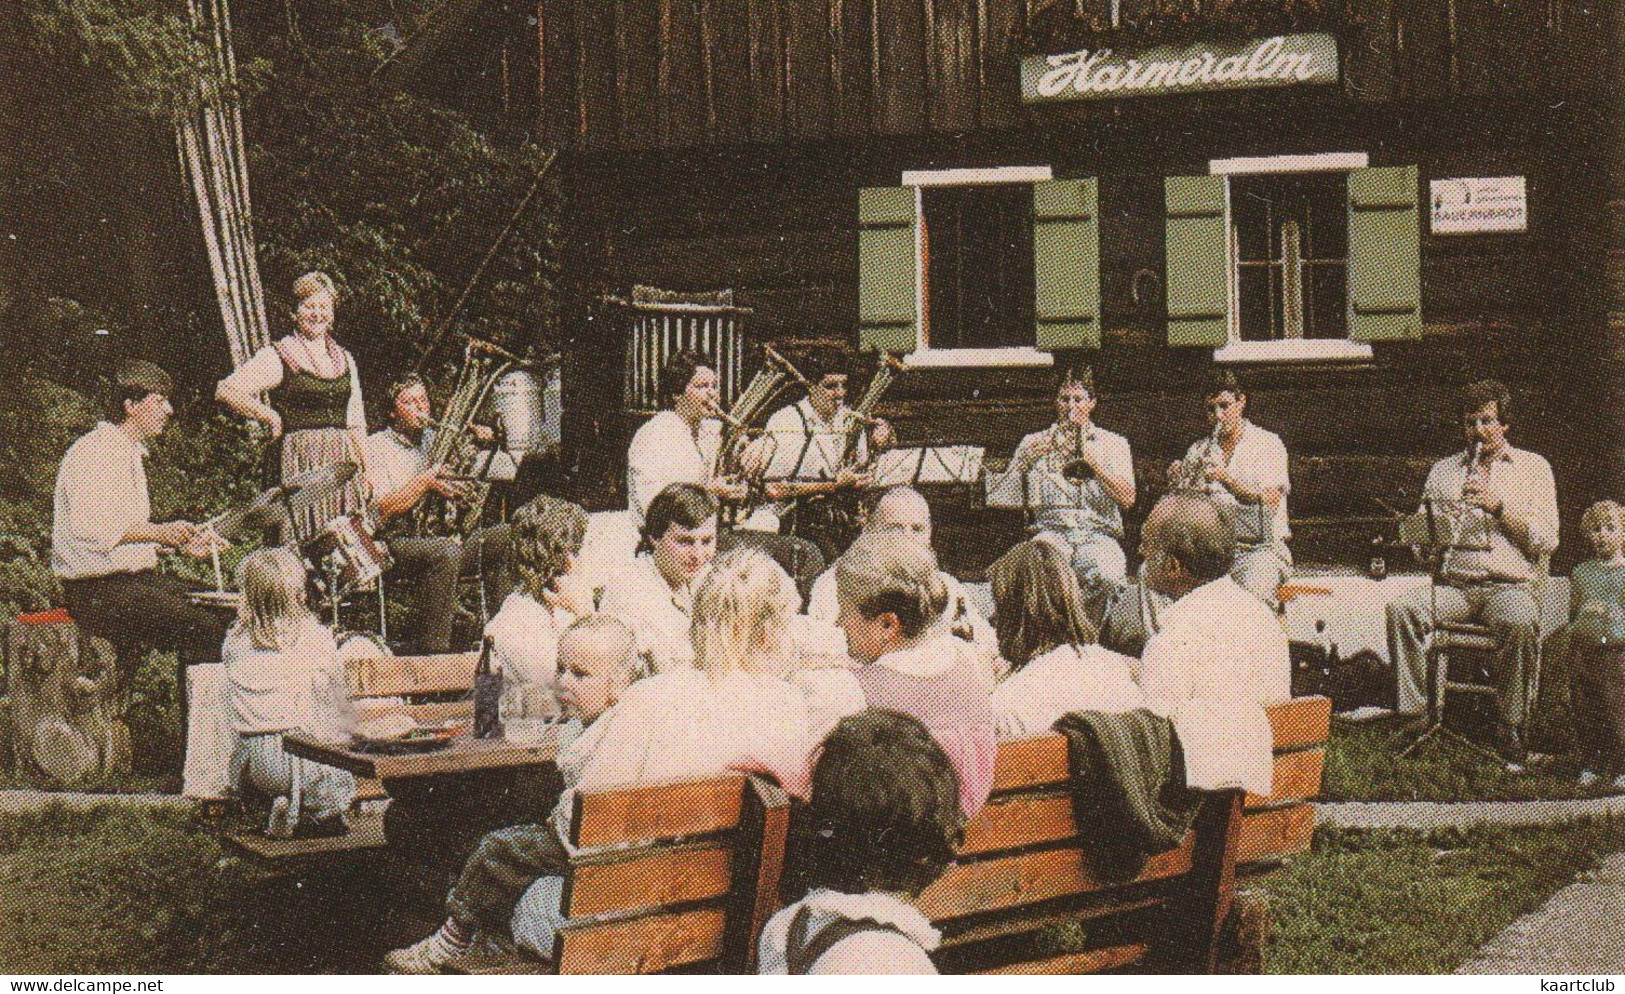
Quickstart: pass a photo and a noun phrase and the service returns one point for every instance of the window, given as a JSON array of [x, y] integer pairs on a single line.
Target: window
[[978, 266], [956, 266], [1293, 257], [1291, 248]]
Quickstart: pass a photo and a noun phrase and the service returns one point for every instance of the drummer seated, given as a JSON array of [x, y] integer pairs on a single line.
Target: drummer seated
[[398, 466]]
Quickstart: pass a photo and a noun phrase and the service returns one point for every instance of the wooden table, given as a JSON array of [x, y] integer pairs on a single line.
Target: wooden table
[[442, 802], [464, 755]]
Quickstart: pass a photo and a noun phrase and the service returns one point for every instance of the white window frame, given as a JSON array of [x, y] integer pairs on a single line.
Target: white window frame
[[1282, 350], [928, 358]]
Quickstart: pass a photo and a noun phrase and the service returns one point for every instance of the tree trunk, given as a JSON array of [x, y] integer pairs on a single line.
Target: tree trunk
[[64, 689]]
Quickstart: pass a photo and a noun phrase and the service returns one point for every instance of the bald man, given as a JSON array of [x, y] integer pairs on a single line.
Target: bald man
[[1221, 654], [904, 511]]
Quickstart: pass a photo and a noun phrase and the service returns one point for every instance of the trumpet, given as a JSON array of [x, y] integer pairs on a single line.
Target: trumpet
[[1076, 469], [1193, 471]]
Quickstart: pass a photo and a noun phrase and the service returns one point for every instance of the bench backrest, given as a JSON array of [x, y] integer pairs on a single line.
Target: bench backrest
[[1275, 827], [1024, 862], [670, 876]]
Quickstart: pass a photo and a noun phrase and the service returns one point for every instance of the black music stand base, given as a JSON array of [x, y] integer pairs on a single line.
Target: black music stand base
[[1438, 729]]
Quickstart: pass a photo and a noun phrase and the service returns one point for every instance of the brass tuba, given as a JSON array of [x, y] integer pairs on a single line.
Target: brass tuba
[[453, 446], [861, 417]]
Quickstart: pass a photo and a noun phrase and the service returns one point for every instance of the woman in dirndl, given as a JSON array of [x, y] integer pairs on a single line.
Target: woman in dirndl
[[312, 405]]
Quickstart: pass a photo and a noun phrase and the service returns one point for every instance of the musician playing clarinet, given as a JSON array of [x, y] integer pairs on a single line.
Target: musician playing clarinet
[[399, 470], [810, 450], [1244, 468], [104, 543], [1079, 479], [1508, 499]]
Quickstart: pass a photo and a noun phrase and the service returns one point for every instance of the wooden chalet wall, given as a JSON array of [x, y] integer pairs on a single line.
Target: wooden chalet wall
[[722, 144]]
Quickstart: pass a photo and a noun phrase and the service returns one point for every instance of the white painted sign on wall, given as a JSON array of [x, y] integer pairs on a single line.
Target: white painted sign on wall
[[1477, 205]]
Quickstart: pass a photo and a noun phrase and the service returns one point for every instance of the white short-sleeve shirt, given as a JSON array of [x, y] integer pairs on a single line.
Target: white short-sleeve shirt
[[101, 493]]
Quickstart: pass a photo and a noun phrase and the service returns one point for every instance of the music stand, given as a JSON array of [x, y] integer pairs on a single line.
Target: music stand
[[1447, 524], [930, 464]]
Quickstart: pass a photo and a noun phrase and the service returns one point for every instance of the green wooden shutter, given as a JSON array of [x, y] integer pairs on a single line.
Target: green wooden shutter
[[1385, 255], [888, 312], [1198, 243], [1066, 263]]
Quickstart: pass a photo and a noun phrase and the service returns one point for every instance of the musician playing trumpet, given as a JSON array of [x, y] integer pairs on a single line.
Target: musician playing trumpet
[[1079, 479], [1244, 468], [810, 452], [399, 471]]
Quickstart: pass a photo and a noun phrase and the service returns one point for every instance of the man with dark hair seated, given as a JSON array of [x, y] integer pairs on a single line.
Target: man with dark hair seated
[[1501, 503], [1220, 655], [104, 544]]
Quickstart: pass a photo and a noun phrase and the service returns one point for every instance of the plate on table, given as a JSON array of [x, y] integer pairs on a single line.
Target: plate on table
[[427, 738]]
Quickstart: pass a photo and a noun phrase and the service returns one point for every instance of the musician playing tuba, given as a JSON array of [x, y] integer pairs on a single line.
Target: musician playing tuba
[[682, 444], [1244, 468], [811, 466], [402, 477], [1079, 478]]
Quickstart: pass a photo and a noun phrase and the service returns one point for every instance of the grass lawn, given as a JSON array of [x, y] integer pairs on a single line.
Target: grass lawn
[[1362, 764], [141, 892], [1407, 902]]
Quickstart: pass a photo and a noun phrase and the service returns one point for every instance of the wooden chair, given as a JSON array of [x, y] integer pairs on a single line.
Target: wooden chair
[[668, 877]]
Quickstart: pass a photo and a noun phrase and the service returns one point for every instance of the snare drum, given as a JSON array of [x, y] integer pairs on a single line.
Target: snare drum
[[348, 542]]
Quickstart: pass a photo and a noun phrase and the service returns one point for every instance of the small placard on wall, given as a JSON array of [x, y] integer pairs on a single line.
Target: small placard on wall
[[1479, 205]]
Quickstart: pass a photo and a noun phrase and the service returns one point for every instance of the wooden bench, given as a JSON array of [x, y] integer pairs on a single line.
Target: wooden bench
[[412, 685], [667, 877], [1025, 866], [683, 876]]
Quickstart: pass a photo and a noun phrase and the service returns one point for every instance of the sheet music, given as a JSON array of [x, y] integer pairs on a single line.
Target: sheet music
[[898, 467], [952, 464]]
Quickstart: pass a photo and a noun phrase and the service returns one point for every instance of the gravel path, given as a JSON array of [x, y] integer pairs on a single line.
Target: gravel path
[[1581, 930], [1429, 815], [13, 802]]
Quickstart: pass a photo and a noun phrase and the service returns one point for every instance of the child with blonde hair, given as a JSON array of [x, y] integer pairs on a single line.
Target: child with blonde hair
[[284, 673], [732, 708], [1597, 678]]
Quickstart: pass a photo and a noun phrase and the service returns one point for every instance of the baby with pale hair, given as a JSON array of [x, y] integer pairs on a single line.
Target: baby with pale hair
[[732, 708]]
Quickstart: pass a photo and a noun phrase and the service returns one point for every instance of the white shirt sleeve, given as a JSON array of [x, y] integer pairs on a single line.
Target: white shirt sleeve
[[355, 414], [262, 372], [648, 468], [1541, 500], [98, 511]]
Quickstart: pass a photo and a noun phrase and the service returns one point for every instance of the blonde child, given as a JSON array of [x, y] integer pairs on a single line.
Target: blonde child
[[545, 539], [1055, 666], [1597, 679], [284, 673], [685, 723], [596, 661]]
